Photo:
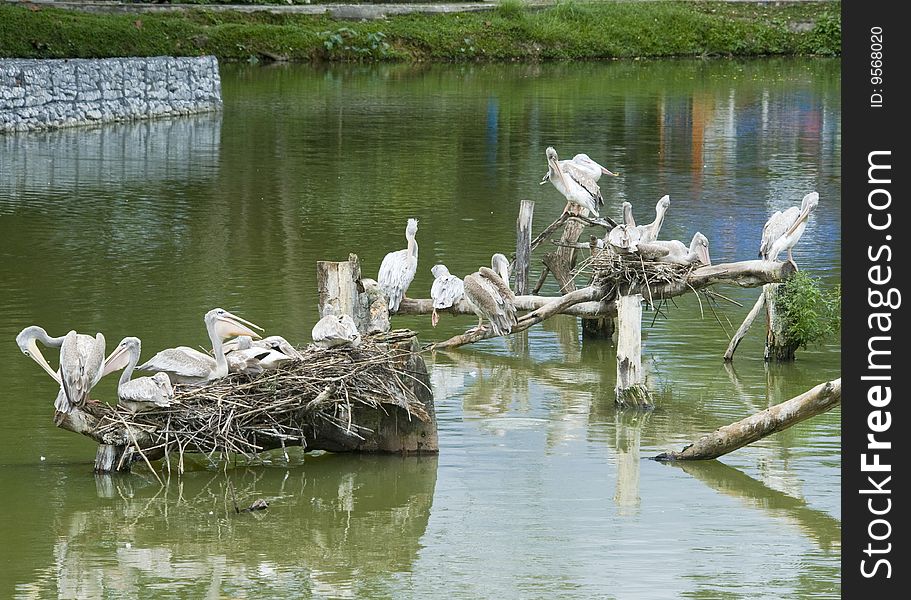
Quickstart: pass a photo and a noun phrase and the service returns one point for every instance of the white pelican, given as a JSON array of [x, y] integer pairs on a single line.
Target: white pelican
[[447, 290], [398, 268], [81, 367], [576, 185], [279, 344], [335, 330], [584, 163], [488, 293], [783, 229], [679, 254], [243, 347], [142, 393], [190, 366], [649, 233]]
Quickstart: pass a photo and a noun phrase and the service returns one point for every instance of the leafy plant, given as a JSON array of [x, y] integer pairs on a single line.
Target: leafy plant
[[810, 314]]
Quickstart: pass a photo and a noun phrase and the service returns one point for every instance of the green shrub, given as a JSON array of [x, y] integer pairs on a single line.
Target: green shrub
[[810, 314]]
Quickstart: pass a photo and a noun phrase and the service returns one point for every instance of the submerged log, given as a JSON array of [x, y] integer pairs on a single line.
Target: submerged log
[[820, 399]]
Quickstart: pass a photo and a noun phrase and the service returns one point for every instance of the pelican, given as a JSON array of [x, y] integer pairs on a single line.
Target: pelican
[[584, 163], [783, 229], [649, 233], [186, 365], [678, 253], [335, 330], [398, 268], [446, 291], [28, 339], [142, 393], [272, 342], [243, 347], [488, 293], [576, 185], [81, 367]]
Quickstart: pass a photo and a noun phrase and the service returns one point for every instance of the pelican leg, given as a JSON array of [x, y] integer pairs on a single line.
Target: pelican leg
[[791, 260], [480, 326], [434, 318]]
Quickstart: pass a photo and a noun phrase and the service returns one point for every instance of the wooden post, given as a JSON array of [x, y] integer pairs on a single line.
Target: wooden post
[[778, 347], [631, 390], [523, 245], [110, 459], [744, 327], [342, 291], [822, 398]]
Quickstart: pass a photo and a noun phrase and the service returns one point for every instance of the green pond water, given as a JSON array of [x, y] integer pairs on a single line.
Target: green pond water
[[542, 488]]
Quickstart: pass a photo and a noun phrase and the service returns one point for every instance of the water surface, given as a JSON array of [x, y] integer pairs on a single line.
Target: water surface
[[541, 488]]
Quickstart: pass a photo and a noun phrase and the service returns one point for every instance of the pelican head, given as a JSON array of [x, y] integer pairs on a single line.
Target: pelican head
[[700, 247], [120, 357], [226, 325], [584, 159], [627, 211], [412, 228], [439, 271], [27, 340], [554, 165], [500, 265], [810, 202], [663, 204]]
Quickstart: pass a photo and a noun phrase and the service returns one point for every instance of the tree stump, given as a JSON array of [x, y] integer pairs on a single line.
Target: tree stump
[[631, 390], [778, 347]]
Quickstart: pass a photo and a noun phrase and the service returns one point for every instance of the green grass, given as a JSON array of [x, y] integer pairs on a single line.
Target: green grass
[[567, 30]]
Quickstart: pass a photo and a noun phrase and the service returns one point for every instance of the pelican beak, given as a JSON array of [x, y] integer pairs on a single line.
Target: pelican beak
[[229, 325], [555, 168], [36, 355], [608, 172], [804, 215], [116, 360], [702, 252]]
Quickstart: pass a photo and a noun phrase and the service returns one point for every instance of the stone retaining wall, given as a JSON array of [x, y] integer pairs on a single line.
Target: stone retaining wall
[[48, 94]]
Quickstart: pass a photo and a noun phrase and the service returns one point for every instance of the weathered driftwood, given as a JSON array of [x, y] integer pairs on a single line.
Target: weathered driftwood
[[820, 399], [593, 309], [523, 245], [631, 390], [744, 327], [397, 416]]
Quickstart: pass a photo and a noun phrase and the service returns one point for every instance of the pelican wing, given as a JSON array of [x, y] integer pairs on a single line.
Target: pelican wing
[[585, 180], [279, 344], [775, 227], [396, 273], [446, 291], [243, 361], [81, 364], [181, 361], [492, 299], [154, 391]]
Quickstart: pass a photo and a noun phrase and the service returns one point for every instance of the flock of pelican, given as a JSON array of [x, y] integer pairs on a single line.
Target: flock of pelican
[[83, 362], [487, 292]]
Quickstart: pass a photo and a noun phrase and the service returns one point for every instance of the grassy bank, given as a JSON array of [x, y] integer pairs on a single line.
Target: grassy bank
[[511, 32]]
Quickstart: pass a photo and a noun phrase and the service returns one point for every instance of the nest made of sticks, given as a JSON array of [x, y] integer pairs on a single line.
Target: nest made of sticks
[[625, 272], [284, 405]]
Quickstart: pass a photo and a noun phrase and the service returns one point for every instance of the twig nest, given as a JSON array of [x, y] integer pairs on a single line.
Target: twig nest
[[336, 330], [624, 238]]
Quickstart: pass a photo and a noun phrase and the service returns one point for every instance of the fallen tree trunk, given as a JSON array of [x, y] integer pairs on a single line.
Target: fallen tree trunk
[[820, 399], [744, 327]]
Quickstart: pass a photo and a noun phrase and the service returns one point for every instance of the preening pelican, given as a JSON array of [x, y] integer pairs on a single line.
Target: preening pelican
[[189, 366], [81, 367], [142, 393], [584, 163], [679, 254], [398, 268], [447, 290], [488, 293], [576, 185], [28, 339], [649, 233], [272, 342], [783, 229], [335, 330]]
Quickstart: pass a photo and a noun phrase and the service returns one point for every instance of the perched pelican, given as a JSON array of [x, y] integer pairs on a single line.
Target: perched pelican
[[28, 339], [335, 330], [447, 290], [584, 163], [488, 293], [243, 347], [627, 210], [398, 268], [649, 233], [81, 367], [783, 229], [679, 254], [142, 393], [576, 185], [190, 366]]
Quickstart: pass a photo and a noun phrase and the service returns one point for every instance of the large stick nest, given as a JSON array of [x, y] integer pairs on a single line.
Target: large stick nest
[[631, 272], [246, 415]]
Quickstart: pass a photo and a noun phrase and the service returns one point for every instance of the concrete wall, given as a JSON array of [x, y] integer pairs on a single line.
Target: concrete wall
[[48, 94]]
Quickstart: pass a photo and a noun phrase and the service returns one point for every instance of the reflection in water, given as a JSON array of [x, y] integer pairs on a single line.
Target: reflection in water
[[368, 513]]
